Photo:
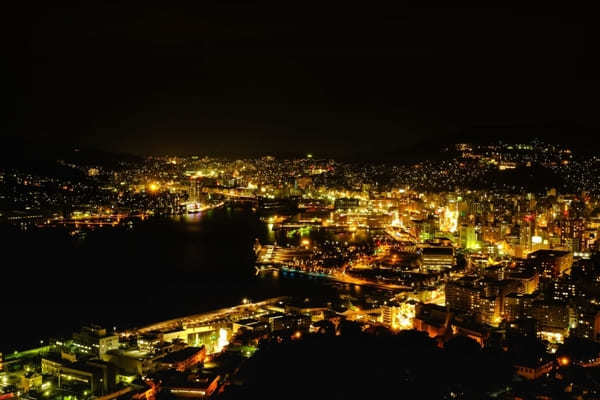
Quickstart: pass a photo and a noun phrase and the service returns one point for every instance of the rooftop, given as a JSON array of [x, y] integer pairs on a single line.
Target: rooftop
[[548, 253], [181, 355]]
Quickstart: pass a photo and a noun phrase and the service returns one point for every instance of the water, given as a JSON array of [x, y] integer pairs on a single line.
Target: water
[[52, 283]]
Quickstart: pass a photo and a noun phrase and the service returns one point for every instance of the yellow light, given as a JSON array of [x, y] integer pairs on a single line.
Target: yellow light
[[564, 361], [305, 242], [153, 187], [297, 335], [222, 341]]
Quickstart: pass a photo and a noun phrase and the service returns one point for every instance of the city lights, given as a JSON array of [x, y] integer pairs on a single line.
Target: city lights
[[222, 200], [443, 261]]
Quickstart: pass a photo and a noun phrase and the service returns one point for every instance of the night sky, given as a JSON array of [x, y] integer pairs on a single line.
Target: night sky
[[229, 77]]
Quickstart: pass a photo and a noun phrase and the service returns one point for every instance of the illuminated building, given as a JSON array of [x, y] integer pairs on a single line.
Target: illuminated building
[[495, 272], [251, 324], [346, 203], [432, 319], [534, 368], [95, 340], [201, 386], [468, 237], [489, 309], [424, 229], [183, 359], [204, 335], [389, 314], [399, 315], [517, 305], [436, 257], [471, 328], [572, 233], [222, 340], [537, 243], [522, 327], [209, 339], [550, 263], [480, 298], [504, 165], [527, 281], [553, 319], [491, 233], [526, 233], [195, 189], [98, 375], [463, 295], [148, 342], [587, 320], [134, 362], [303, 182], [315, 311], [563, 289], [476, 207], [279, 321], [449, 219], [29, 381]]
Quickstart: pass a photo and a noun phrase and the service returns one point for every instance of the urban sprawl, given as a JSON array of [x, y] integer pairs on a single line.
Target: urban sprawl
[[497, 243]]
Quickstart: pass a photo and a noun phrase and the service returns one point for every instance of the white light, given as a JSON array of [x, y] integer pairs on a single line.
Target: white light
[[222, 341]]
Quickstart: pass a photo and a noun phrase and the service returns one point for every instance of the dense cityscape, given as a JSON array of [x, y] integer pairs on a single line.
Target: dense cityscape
[[487, 256], [292, 200]]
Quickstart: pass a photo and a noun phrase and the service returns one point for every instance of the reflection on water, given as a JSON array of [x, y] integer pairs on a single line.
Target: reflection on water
[[160, 269]]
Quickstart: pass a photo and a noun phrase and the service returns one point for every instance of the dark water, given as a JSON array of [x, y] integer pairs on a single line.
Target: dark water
[[163, 268]]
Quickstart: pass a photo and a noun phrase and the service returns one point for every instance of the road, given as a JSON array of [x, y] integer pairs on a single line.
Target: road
[[345, 278], [205, 318]]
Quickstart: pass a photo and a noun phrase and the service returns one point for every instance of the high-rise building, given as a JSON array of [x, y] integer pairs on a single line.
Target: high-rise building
[[587, 321], [527, 281], [449, 219], [550, 263], [563, 289], [553, 319], [463, 295], [468, 237], [517, 305], [572, 233]]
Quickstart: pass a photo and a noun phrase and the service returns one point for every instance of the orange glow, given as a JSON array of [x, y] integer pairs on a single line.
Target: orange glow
[[564, 361], [297, 335]]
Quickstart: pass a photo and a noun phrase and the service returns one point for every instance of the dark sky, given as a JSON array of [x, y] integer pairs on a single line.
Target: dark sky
[[224, 76]]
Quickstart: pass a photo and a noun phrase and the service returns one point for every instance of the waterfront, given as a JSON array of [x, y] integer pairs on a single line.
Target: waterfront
[[130, 276]]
